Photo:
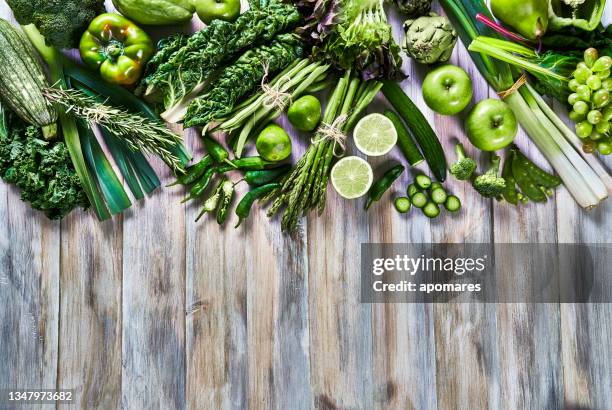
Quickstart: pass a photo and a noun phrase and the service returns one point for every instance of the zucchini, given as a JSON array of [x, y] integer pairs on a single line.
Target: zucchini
[[22, 80], [422, 131]]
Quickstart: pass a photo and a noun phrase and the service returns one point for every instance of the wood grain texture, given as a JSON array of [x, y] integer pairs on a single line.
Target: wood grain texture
[[152, 310]]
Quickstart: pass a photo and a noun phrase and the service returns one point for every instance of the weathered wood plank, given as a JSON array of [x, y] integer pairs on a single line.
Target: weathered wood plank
[[90, 329], [467, 358], [29, 290], [153, 300]]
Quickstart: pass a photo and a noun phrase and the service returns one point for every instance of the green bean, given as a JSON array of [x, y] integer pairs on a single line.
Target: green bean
[[211, 204], [510, 193], [383, 184], [228, 190], [246, 203], [524, 181], [194, 172]]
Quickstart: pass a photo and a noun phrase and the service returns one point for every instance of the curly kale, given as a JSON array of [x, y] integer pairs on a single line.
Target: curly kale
[[42, 170], [61, 22]]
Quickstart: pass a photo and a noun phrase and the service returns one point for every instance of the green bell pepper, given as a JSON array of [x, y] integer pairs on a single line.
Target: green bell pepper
[[117, 48], [582, 14]]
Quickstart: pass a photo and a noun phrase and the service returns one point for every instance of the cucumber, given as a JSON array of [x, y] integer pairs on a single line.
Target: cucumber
[[404, 141], [22, 80], [422, 131]]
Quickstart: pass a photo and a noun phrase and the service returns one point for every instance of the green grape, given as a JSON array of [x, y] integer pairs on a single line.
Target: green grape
[[594, 83], [584, 129], [594, 117], [607, 113], [589, 146], [602, 64], [575, 117], [603, 127], [582, 74], [581, 107], [603, 74], [604, 147], [596, 136], [590, 56], [573, 84], [584, 93], [601, 98], [572, 99], [607, 84]]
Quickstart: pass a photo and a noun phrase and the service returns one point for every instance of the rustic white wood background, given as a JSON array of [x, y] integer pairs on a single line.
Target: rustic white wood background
[[154, 311]]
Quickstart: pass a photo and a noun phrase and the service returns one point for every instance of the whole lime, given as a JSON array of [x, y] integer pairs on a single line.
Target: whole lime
[[305, 113], [273, 143]]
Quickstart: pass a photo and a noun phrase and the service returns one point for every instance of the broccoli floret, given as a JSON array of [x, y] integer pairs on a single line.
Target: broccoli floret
[[464, 167], [61, 22], [490, 184]]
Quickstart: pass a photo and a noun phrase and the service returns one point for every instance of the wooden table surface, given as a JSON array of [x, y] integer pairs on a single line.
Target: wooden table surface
[[152, 310]]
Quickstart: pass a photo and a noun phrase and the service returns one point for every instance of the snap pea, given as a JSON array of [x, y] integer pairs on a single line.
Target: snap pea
[[211, 204], [510, 193], [383, 184], [257, 178], [246, 203], [216, 150], [539, 176], [200, 187], [228, 190], [194, 172], [524, 181]]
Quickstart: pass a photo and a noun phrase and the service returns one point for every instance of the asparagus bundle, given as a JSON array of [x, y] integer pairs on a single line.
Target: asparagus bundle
[[305, 188]]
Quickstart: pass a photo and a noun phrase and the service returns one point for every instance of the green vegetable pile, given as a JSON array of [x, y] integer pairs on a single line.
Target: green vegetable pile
[[42, 170], [61, 22]]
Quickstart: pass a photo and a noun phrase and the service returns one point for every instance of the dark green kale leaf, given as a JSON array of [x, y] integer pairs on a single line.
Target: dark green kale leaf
[[42, 170]]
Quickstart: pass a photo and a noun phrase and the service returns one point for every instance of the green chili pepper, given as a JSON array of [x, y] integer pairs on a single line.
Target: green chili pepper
[[257, 178], [200, 187], [211, 204], [246, 203], [524, 181], [216, 150], [228, 190], [510, 193], [252, 163], [194, 172], [539, 176], [383, 184]]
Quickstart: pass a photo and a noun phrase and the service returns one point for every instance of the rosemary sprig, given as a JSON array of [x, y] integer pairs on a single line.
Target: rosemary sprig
[[140, 133]]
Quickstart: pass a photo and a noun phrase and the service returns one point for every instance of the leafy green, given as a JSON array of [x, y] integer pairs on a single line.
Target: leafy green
[[42, 170], [241, 78], [61, 22], [187, 69]]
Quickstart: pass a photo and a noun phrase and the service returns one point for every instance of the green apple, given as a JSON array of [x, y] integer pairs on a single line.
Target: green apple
[[209, 10], [491, 125], [447, 90]]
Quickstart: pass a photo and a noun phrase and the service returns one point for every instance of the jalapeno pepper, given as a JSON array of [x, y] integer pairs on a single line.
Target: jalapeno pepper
[[117, 48], [383, 184], [200, 187], [216, 150], [194, 172], [257, 178], [244, 207]]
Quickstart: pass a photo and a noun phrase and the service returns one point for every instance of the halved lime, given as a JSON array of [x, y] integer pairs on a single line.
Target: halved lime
[[375, 135], [352, 177]]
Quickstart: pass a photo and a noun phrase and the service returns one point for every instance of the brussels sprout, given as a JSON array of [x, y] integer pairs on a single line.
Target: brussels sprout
[[430, 39]]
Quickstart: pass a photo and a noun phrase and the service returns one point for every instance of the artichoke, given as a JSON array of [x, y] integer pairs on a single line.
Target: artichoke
[[413, 8], [430, 39]]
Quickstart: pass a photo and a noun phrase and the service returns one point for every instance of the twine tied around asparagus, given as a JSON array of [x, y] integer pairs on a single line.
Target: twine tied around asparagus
[[515, 87], [333, 132], [274, 98]]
